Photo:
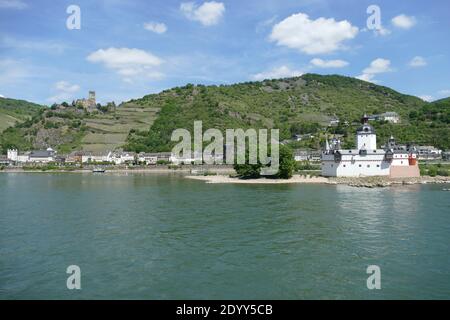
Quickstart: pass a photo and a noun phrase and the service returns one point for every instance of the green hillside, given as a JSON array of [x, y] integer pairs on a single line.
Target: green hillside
[[73, 128], [296, 105], [16, 111]]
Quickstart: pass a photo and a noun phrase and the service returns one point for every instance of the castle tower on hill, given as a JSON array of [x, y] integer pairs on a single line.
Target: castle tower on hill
[[92, 96], [90, 103]]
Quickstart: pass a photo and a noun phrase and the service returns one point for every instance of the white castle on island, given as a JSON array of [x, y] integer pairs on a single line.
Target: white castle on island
[[367, 160]]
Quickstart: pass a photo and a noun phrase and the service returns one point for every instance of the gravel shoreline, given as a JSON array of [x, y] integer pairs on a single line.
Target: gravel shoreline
[[366, 182], [228, 179]]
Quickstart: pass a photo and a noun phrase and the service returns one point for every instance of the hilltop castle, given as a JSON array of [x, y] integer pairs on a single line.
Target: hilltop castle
[[89, 104]]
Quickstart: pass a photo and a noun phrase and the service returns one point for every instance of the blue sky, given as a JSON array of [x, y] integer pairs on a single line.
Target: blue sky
[[128, 48]]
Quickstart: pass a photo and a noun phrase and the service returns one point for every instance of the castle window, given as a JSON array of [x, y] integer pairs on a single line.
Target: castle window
[[378, 165], [360, 166], [401, 162], [344, 165], [368, 166]]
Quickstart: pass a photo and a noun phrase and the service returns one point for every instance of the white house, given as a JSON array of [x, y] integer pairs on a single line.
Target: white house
[[4, 161], [14, 156], [366, 159], [334, 121], [23, 158], [89, 157], [300, 155], [37, 156], [391, 117], [147, 158], [42, 156], [429, 153], [127, 157]]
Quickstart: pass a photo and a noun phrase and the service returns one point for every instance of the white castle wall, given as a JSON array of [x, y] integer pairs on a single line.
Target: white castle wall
[[400, 159], [355, 165], [366, 141]]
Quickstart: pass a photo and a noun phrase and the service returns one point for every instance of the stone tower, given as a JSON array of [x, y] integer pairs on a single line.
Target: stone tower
[[12, 154], [92, 97]]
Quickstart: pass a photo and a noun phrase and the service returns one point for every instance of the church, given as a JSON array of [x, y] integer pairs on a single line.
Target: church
[[367, 160]]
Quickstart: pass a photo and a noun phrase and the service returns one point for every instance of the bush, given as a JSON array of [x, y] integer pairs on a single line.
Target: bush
[[162, 162], [442, 172], [248, 171], [432, 171]]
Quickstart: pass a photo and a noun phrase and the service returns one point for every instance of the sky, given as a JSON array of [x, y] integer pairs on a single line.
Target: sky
[[125, 49]]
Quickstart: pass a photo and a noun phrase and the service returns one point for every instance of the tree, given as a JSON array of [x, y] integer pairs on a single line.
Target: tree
[[247, 170], [287, 163], [253, 171]]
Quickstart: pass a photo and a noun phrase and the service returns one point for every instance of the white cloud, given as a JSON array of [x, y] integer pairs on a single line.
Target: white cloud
[[312, 36], [208, 14], [13, 4], [155, 27], [66, 87], [426, 98], [276, 73], [128, 62], [64, 91], [376, 66], [328, 63], [2, 96], [366, 77], [418, 61], [382, 31], [403, 21]]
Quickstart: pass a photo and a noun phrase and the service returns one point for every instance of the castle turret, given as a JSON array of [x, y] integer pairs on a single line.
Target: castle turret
[[92, 96], [12, 154], [366, 139]]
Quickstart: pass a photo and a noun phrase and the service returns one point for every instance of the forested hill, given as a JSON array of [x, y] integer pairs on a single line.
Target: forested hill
[[300, 105], [16, 111], [294, 105]]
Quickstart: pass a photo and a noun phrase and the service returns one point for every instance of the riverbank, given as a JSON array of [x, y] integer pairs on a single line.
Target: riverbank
[[228, 179], [366, 182]]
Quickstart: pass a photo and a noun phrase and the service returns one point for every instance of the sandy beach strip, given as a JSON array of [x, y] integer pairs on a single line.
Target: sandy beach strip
[[228, 179]]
